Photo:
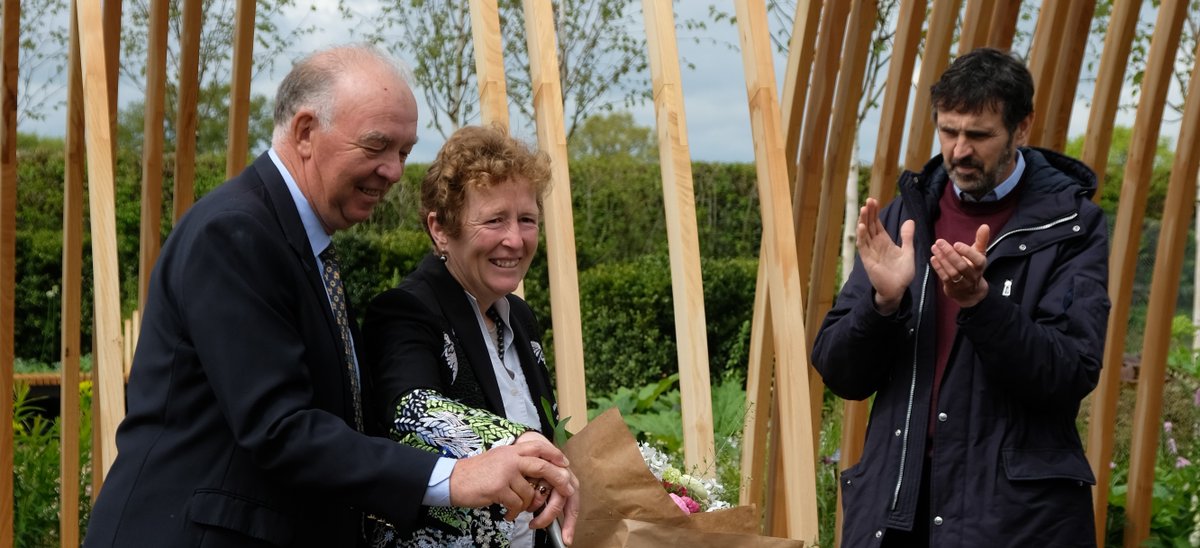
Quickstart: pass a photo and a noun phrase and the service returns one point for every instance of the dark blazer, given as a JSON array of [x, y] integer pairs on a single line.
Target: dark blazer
[[239, 430], [407, 330]]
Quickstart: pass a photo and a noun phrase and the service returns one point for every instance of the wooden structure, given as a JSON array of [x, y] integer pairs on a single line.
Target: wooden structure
[[802, 141]]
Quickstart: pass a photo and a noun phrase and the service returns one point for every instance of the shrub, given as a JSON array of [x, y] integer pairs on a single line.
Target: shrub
[[36, 471]]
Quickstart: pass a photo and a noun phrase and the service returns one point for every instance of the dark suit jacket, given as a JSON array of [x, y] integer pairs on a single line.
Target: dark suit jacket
[[406, 331], [239, 429]]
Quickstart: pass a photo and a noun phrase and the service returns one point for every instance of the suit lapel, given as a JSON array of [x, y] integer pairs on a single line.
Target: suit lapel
[[465, 327], [280, 200]]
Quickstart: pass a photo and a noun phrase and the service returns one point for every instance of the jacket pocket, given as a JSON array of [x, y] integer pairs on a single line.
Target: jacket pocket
[[1043, 464], [241, 515]]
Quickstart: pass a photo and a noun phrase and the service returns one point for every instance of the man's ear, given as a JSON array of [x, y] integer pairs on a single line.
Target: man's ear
[[1021, 137], [304, 123]]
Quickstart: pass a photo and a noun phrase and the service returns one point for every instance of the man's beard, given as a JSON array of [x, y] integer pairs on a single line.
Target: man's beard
[[982, 180]]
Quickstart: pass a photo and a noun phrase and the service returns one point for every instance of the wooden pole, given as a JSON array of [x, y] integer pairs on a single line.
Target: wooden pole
[[937, 58], [1106, 97], [886, 168], [976, 23], [843, 128], [758, 394], [795, 85], [1005, 14], [811, 155], [152, 144], [1067, 65], [1164, 290], [560, 227], [1160, 67], [72, 297], [111, 13], [106, 351], [1046, 40], [679, 199], [185, 116], [1096, 143], [489, 62], [489, 71], [795, 79], [10, 50], [238, 149], [830, 216], [795, 418]]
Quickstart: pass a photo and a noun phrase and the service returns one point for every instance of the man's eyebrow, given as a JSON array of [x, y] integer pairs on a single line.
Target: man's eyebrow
[[374, 138]]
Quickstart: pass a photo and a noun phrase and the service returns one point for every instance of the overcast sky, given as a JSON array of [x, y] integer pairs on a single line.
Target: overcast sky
[[714, 90]]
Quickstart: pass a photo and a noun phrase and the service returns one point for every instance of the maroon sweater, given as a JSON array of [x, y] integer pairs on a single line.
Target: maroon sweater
[[957, 222]]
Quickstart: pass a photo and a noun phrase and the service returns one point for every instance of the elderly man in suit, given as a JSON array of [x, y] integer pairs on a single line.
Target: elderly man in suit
[[245, 422]]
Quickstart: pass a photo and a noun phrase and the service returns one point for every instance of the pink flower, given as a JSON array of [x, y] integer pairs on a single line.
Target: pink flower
[[1182, 463], [1167, 426], [1172, 446], [685, 503], [678, 500]]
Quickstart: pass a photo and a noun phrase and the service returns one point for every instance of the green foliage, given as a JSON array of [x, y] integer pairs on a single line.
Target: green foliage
[[1175, 521], [41, 172], [380, 261], [629, 319], [1180, 355], [602, 63], [36, 471], [619, 212], [1114, 176], [613, 137], [653, 413]]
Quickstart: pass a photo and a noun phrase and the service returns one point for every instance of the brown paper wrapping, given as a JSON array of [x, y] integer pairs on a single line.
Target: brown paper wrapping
[[623, 505]]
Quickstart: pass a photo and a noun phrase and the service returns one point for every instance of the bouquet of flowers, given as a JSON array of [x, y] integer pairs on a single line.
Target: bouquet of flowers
[[690, 493], [624, 504]]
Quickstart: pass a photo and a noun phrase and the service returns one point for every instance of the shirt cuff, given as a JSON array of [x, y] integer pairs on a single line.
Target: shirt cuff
[[438, 492]]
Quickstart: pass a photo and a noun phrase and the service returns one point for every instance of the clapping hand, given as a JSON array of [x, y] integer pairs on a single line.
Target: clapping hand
[[890, 267]]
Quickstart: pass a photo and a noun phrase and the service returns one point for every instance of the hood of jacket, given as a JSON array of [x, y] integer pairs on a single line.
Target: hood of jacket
[[1051, 172]]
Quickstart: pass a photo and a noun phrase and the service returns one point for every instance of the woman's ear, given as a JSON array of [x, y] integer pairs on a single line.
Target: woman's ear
[[437, 232]]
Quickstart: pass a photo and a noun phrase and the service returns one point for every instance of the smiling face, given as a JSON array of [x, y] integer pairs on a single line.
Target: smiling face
[[977, 150], [496, 242], [349, 164]]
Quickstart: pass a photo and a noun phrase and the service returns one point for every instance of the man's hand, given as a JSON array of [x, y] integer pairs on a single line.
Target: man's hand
[[552, 503], [508, 475], [960, 267], [889, 267]]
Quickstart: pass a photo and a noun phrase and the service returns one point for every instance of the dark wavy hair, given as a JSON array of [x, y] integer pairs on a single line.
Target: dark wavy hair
[[478, 157], [985, 78]]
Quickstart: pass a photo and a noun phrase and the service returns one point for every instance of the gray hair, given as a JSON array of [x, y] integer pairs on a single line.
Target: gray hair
[[312, 80]]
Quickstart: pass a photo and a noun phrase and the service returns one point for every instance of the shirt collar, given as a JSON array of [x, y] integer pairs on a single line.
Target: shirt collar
[[317, 238], [501, 306], [1002, 189]]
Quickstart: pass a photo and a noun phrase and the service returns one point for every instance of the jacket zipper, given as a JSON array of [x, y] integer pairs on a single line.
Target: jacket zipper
[[1050, 224], [912, 390]]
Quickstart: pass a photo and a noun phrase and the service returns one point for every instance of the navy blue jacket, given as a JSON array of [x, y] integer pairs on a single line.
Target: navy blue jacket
[[239, 425], [1007, 465]]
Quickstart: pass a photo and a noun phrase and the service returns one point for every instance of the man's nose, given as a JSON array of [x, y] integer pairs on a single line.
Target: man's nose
[[392, 169], [963, 148]]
